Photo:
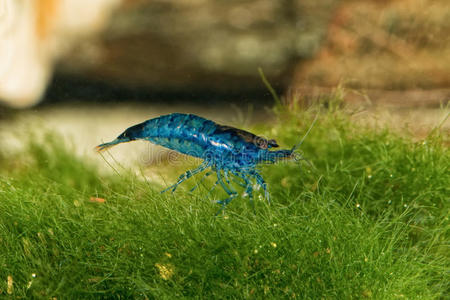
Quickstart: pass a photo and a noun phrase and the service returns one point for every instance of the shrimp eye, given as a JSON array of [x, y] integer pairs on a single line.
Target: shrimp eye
[[261, 143]]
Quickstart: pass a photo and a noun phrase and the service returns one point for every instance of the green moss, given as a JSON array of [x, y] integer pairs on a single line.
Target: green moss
[[369, 220]]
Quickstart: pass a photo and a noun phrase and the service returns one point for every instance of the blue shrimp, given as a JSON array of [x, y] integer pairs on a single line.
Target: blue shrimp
[[224, 149]]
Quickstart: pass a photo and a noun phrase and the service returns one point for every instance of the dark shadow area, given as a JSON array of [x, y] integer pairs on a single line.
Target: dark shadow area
[[64, 88], [7, 113]]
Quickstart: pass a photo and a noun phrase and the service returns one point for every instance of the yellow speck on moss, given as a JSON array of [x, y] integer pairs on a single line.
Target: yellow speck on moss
[[367, 294], [285, 182], [165, 271], [10, 287]]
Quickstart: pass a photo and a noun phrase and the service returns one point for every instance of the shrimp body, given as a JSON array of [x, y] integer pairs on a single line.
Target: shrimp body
[[227, 150]]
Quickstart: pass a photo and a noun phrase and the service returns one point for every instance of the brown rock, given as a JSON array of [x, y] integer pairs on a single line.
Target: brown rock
[[203, 44]]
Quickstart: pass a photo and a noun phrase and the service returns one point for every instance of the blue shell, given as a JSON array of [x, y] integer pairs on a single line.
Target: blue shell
[[226, 149]]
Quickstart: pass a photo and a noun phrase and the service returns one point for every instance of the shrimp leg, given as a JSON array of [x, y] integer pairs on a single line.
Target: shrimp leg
[[201, 180], [231, 193], [188, 174], [235, 179], [212, 188], [262, 183], [248, 186]]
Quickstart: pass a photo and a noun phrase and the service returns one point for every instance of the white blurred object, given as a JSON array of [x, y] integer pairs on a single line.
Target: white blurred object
[[34, 34]]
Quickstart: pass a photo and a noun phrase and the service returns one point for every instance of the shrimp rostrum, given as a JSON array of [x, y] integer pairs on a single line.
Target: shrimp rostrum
[[230, 153]]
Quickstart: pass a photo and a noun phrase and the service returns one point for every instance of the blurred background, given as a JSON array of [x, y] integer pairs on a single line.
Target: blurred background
[[89, 69]]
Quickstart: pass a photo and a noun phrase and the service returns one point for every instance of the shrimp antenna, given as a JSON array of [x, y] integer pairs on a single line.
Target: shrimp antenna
[[306, 134]]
